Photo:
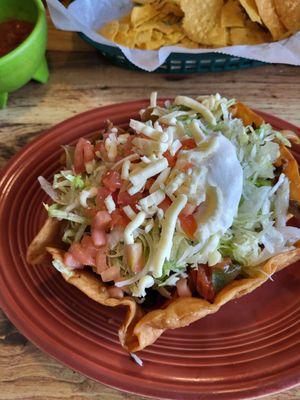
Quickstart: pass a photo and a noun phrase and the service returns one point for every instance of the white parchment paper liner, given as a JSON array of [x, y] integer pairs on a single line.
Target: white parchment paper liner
[[87, 16]]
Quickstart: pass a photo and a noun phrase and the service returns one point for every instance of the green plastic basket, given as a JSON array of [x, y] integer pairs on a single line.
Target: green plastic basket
[[179, 63]]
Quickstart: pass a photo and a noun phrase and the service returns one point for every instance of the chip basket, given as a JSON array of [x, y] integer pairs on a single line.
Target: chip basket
[[179, 63]]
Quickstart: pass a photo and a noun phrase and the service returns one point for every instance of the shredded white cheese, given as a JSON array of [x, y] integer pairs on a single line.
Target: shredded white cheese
[[197, 132], [149, 226], [198, 107], [147, 130], [125, 169], [160, 213], [135, 188], [167, 232], [160, 180], [132, 226], [129, 212], [145, 160], [175, 183], [175, 146], [140, 177], [87, 194], [145, 282], [153, 199], [111, 146], [110, 204], [136, 359], [171, 118], [149, 147]]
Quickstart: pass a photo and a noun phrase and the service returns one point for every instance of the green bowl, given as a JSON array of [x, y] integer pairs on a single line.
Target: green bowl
[[28, 60]]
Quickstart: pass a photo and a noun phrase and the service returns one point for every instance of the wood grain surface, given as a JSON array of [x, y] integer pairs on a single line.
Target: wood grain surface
[[79, 82]]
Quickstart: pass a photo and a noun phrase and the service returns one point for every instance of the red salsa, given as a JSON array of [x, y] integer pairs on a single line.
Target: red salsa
[[12, 34]]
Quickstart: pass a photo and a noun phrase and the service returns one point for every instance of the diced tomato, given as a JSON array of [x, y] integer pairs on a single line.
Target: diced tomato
[[112, 180], [118, 217], [110, 274], [149, 183], [78, 156], [84, 153], [71, 262], [134, 256], [115, 292], [103, 192], [188, 224], [100, 150], [124, 198], [81, 255], [188, 209], [186, 166], [165, 204], [102, 220], [100, 224], [171, 159], [188, 144], [88, 152], [128, 148], [204, 284], [86, 241], [89, 212], [101, 263], [99, 236], [88, 245], [183, 289]]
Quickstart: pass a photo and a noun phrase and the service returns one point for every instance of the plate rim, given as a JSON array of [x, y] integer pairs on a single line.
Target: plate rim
[[22, 323]]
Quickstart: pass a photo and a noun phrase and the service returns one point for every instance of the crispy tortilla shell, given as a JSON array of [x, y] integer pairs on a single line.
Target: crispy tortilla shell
[[291, 170], [248, 116], [50, 235], [141, 329]]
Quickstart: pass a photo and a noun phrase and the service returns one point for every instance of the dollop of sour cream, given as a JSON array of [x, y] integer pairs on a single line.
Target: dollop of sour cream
[[219, 175]]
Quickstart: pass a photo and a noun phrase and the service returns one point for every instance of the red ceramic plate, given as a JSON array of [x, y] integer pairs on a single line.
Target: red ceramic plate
[[250, 348]]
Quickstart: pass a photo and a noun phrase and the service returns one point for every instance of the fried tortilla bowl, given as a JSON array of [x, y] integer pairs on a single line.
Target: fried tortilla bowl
[[140, 328]]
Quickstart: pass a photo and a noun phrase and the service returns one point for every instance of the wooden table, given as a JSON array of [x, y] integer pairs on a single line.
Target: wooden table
[[79, 82]]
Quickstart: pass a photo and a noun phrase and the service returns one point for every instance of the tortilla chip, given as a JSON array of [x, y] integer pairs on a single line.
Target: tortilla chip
[[248, 116], [188, 43], [125, 36], [143, 37], [251, 9], [218, 36], [140, 15], [267, 12], [251, 34], [289, 13], [171, 7], [200, 18], [232, 15], [49, 235], [160, 26], [144, 1], [110, 30], [139, 329]]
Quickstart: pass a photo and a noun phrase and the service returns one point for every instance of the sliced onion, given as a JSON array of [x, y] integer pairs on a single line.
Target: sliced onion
[[47, 187]]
